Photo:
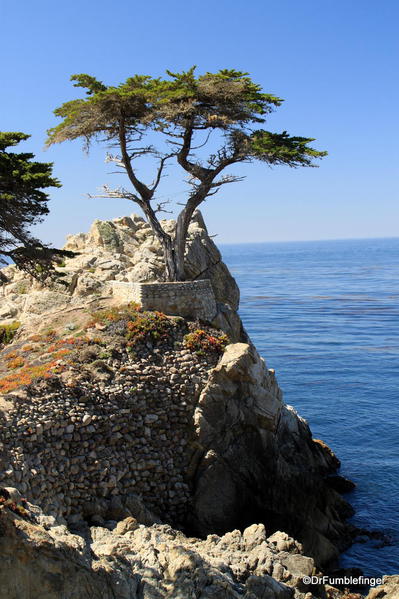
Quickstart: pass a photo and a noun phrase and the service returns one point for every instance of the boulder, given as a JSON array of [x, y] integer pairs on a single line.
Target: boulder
[[40, 302], [7, 311], [204, 261], [388, 590], [256, 460], [42, 558]]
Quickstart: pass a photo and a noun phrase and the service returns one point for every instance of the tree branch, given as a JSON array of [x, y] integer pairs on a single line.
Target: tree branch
[[196, 170], [160, 170], [139, 186], [120, 193], [160, 207]]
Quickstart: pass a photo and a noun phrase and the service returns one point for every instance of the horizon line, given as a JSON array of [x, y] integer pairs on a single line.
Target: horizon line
[[302, 240]]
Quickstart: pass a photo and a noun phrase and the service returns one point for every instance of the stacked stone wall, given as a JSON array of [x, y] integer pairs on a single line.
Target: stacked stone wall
[[190, 299], [67, 451]]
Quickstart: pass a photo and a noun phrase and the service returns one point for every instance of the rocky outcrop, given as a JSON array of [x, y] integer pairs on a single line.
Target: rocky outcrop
[[123, 250], [388, 590], [257, 461], [209, 445], [40, 557]]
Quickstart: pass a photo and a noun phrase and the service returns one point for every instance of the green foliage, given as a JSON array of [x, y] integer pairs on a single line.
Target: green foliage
[[90, 83], [228, 100], [149, 326], [107, 316], [21, 288], [205, 123], [8, 332], [280, 148], [23, 204], [134, 324], [21, 176], [201, 342]]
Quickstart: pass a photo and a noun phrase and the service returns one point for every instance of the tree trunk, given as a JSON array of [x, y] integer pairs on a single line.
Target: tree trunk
[[170, 259], [179, 249], [181, 231], [182, 224], [174, 249], [165, 240]]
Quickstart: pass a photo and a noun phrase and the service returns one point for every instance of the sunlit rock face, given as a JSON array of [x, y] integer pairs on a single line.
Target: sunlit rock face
[[124, 250], [136, 560], [206, 441]]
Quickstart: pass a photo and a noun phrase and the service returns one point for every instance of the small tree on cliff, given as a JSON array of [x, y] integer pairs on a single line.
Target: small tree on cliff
[[187, 112], [23, 204]]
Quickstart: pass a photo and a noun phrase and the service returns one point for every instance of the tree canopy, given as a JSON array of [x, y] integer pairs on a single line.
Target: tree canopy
[[205, 123], [23, 204]]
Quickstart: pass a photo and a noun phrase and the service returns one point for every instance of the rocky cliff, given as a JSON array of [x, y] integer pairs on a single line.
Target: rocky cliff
[[42, 558], [260, 462], [95, 416], [120, 250]]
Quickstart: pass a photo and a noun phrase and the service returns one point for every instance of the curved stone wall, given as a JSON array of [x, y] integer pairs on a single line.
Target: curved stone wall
[[190, 299]]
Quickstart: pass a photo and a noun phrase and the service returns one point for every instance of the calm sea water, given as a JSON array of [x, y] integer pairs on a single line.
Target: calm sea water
[[325, 315]]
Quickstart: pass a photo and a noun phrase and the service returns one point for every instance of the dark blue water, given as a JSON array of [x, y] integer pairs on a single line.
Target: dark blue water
[[325, 315]]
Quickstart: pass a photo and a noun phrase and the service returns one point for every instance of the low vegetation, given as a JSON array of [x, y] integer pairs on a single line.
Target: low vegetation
[[136, 325], [149, 325], [107, 333], [201, 342], [8, 332], [17, 508], [43, 358], [113, 314], [28, 374]]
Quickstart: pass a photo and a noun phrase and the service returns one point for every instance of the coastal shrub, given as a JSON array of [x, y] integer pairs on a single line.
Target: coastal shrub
[[21, 288], [201, 342], [15, 362], [133, 323], [36, 338], [67, 342], [107, 316], [28, 374], [148, 326], [27, 348], [17, 508], [8, 332], [61, 354], [46, 337], [54, 356]]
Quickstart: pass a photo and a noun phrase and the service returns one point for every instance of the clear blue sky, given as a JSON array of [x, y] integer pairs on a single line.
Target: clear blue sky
[[335, 63]]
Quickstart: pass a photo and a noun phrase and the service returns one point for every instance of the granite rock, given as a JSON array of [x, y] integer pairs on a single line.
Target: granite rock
[[42, 558]]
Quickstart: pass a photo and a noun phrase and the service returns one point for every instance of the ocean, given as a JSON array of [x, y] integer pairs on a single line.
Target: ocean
[[325, 316]]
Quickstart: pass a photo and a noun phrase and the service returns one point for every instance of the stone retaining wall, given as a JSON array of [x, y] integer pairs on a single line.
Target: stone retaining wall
[[190, 299], [69, 451]]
